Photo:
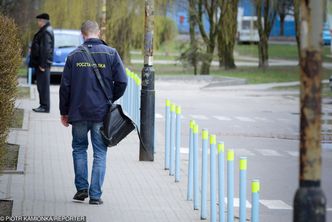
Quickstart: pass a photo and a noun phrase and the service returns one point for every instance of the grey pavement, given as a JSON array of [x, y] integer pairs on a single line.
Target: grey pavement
[[265, 129], [133, 190]]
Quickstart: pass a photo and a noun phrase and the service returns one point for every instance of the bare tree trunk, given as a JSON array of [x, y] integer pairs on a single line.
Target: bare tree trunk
[[227, 34], [264, 28], [205, 69], [263, 53], [282, 24], [210, 7], [193, 41]]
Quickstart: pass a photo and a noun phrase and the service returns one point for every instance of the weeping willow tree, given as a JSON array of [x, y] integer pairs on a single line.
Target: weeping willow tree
[[227, 33], [125, 25], [70, 14]]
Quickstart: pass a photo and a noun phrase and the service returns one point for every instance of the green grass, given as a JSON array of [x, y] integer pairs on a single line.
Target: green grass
[[254, 75], [17, 121], [276, 51], [9, 160], [23, 92], [22, 72], [155, 57]]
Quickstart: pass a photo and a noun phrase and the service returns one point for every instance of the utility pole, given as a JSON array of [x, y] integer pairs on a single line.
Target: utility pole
[[148, 93], [103, 20], [309, 201]]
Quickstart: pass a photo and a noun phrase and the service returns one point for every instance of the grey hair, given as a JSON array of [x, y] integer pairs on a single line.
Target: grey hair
[[89, 27]]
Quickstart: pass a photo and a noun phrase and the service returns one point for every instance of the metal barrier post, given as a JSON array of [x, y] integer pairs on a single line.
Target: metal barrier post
[[255, 186], [172, 147], [178, 144], [190, 162], [195, 157], [230, 185], [221, 180], [213, 202], [205, 137], [167, 133], [243, 187]]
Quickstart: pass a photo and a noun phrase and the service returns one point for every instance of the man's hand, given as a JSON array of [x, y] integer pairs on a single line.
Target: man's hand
[[64, 120], [41, 69]]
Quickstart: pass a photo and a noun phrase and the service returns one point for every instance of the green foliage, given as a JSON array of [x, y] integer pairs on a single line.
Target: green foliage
[[10, 59], [125, 26], [164, 29], [70, 14]]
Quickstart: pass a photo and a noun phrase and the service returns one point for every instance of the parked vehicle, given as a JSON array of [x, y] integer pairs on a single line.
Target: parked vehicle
[[65, 41], [247, 30]]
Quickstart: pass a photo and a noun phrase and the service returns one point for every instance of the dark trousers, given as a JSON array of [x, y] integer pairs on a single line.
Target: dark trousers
[[43, 86]]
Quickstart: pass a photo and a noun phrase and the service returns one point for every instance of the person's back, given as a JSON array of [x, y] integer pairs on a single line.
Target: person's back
[[88, 101], [84, 106]]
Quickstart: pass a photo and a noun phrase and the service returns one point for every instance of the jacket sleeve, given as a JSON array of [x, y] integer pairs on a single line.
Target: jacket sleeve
[[65, 86], [45, 49], [119, 77]]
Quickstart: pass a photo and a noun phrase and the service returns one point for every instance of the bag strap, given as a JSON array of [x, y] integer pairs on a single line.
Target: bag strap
[[102, 84], [96, 70]]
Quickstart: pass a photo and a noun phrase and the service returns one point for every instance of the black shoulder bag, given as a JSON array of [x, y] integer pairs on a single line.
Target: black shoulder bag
[[117, 125]]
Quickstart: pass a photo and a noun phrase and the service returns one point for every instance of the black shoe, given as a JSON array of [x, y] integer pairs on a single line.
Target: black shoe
[[81, 195], [41, 109], [96, 202]]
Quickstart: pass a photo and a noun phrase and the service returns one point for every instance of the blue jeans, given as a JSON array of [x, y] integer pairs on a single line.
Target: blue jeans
[[80, 145]]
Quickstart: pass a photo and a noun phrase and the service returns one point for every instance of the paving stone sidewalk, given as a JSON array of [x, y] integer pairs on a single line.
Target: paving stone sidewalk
[[133, 190]]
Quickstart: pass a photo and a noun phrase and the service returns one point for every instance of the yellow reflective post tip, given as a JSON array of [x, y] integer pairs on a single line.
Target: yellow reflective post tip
[[205, 134], [178, 109], [230, 155], [172, 107], [243, 163], [255, 186], [168, 102], [191, 124], [221, 147], [213, 139], [195, 128]]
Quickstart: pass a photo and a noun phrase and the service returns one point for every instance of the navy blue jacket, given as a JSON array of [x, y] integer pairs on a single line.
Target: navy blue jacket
[[81, 96]]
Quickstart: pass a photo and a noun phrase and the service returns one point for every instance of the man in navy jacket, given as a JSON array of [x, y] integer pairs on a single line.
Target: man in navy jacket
[[84, 106]]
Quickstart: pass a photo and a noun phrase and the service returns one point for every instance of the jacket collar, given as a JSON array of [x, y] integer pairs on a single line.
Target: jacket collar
[[44, 27], [94, 41]]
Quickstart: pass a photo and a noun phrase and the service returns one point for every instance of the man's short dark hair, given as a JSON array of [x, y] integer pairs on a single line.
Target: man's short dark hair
[[89, 27]]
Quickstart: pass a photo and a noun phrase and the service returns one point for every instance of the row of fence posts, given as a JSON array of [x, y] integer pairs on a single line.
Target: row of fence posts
[[131, 99], [173, 160]]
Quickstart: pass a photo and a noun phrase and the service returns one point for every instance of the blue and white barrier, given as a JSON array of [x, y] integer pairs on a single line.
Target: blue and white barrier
[[131, 99], [217, 171]]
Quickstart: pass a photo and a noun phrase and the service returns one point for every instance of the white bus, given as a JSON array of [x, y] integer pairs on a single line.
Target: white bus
[[247, 30]]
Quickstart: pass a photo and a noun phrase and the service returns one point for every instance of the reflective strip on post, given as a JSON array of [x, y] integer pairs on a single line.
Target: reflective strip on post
[[243, 188], [167, 133], [213, 199], [195, 157], [255, 188], [172, 146], [190, 164], [177, 144], [230, 185], [204, 181], [221, 180]]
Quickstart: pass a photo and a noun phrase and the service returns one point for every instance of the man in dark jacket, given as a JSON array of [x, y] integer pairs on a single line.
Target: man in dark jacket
[[84, 105], [41, 58]]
